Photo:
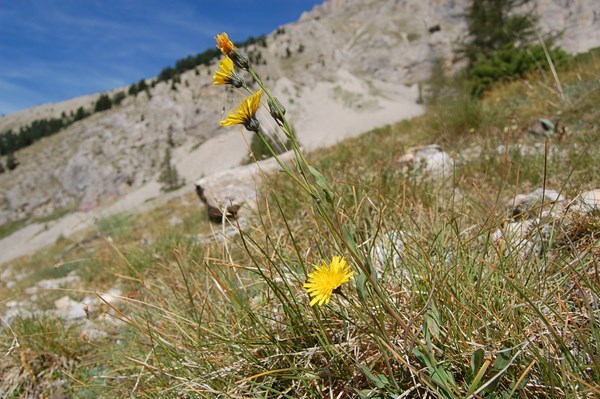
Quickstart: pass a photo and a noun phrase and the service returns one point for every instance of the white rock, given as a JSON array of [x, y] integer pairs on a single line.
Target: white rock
[[588, 201], [430, 160], [69, 309], [237, 187]]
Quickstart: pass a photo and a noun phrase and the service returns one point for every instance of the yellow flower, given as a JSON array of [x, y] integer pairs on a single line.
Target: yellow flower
[[226, 74], [326, 278], [229, 50], [224, 44], [245, 114]]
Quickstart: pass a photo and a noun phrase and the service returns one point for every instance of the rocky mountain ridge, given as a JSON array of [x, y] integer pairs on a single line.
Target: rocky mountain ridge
[[345, 67]]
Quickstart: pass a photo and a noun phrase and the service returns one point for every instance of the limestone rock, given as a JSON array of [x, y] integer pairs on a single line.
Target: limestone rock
[[69, 309], [230, 192], [588, 202], [537, 218], [430, 160], [385, 252], [540, 200]]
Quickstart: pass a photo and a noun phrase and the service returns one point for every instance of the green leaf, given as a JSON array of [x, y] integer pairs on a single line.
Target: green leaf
[[349, 239], [321, 182], [439, 375], [477, 360], [432, 320], [502, 359], [379, 380], [547, 124], [361, 286], [479, 367]]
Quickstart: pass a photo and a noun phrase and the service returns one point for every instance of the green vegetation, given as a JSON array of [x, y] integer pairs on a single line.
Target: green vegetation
[[501, 45], [510, 63], [26, 135], [7, 229], [412, 36], [11, 161], [135, 88], [169, 177], [118, 98], [436, 307], [12, 141], [103, 103]]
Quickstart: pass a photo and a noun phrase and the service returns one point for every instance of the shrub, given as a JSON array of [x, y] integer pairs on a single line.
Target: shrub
[[169, 177], [80, 114], [11, 161], [104, 102], [500, 45], [510, 63], [118, 98]]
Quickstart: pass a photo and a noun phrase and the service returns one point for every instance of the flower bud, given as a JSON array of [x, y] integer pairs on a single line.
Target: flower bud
[[240, 59], [276, 110], [252, 125]]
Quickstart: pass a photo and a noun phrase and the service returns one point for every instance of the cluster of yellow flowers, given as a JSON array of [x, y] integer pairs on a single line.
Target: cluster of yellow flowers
[[226, 75], [328, 277]]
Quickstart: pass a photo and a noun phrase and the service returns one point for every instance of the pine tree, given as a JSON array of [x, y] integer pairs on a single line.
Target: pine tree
[[494, 25], [81, 114], [168, 176], [11, 161], [502, 44], [104, 102]]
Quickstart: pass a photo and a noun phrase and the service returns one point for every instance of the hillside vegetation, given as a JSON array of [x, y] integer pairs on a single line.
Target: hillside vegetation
[[444, 301]]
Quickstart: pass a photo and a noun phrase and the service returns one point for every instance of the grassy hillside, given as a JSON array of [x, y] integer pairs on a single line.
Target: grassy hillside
[[443, 302]]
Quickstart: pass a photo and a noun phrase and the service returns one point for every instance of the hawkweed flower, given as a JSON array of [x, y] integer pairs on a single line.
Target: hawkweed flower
[[325, 279], [224, 44], [245, 114], [226, 74], [229, 50]]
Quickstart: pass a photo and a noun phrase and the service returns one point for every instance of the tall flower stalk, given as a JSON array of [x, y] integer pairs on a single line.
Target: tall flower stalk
[[315, 184]]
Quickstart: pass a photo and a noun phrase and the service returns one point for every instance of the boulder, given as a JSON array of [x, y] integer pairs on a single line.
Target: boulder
[[540, 201], [588, 202], [430, 161], [227, 193], [544, 218]]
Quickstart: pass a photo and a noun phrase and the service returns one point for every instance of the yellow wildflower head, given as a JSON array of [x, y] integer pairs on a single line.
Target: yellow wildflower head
[[229, 50], [327, 278], [226, 74], [224, 44], [245, 114]]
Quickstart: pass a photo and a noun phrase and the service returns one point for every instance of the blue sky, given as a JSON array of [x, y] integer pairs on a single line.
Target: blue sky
[[54, 50]]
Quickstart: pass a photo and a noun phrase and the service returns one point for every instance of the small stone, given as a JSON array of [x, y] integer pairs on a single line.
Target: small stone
[[541, 200], [588, 201], [430, 160], [68, 309]]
